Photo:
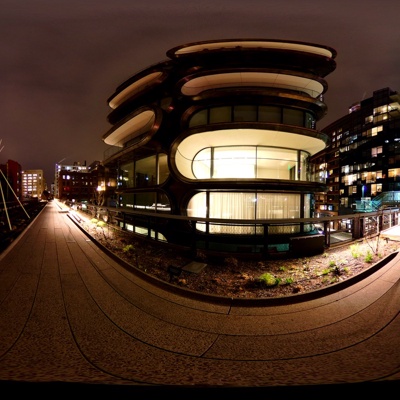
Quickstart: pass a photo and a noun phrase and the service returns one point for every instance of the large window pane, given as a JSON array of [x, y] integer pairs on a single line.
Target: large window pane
[[232, 206], [197, 206], [127, 200], [234, 162], [304, 166], [145, 201], [245, 113], [163, 171], [247, 206], [202, 164], [293, 117], [274, 163], [200, 118], [220, 114], [163, 204], [145, 172], [278, 206], [126, 176], [269, 114]]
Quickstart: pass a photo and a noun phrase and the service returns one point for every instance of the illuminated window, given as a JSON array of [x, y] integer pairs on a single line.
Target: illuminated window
[[394, 173], [247, 206], [369, 119], [375, 151], [250, 162], [381, 110]]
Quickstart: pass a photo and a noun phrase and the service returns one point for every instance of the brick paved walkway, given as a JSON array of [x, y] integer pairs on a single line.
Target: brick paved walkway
[[70, 315]]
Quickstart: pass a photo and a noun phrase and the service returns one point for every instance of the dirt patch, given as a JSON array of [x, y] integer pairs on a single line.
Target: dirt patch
[[233, 277]]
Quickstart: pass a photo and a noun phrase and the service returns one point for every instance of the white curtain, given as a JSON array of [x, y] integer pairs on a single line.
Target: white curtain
[[247, 206]]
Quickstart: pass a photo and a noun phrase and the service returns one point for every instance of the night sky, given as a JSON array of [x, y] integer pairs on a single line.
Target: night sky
[[61, 59]]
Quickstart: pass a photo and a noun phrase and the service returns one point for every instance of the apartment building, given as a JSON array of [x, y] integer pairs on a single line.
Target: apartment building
[[223, 129], [363, 159], [33, 184]]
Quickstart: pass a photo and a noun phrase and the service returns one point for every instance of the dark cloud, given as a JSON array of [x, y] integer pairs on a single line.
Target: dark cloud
[[61, 60]]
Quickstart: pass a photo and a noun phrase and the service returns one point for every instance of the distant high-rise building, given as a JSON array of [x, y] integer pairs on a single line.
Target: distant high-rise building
[[73, 182], [33, 184]]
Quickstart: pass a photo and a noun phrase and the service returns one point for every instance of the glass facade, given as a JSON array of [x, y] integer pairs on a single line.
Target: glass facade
[[249, 206], [249, 113], [233, 140], [249, 162]]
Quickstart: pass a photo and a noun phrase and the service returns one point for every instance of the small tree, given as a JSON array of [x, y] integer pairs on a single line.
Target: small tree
[[99, 196]]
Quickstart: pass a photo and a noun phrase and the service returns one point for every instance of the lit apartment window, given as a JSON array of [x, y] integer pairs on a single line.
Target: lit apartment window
[[352, 190], [376, 130], [394, 173], [245, 162], [380, 118], [369, 119], [345, 169], [381, 110], [237, 205], [375, 151]]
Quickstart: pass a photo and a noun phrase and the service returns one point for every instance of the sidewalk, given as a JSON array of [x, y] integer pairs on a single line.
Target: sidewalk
[[70, 315]]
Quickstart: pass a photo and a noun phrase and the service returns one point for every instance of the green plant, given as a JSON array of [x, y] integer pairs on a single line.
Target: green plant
[[268, 279], [101, 224], [94, 220], [289, 281], [332, 263], [355, 251], [368, 257], [326, 271], [128, 248], [282, 268]]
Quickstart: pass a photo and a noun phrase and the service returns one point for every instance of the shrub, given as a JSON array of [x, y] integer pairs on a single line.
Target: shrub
[[355, 251], [128, 248], [268, 279], [326, 271], [368, 257]]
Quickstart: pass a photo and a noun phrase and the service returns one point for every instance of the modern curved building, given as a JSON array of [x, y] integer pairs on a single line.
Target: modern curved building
[[222, 130]]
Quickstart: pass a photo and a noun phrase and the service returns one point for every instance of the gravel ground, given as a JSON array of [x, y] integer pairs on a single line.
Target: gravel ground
[[240, 278]]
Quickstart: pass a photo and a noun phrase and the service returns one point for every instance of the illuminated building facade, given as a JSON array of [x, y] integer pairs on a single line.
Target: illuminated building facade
[[33, 184], [222, 130], [73, 182], [363, 160]]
